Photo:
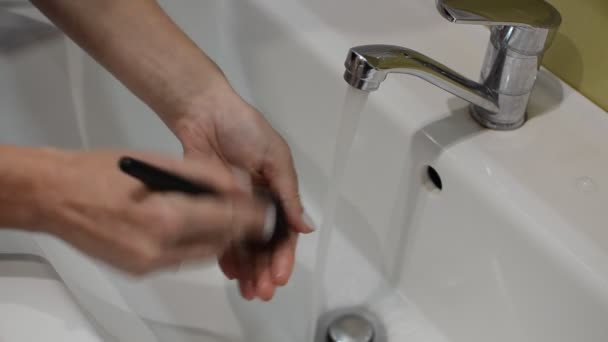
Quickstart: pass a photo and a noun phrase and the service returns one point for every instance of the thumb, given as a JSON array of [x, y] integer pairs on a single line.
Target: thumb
[[280, 173]]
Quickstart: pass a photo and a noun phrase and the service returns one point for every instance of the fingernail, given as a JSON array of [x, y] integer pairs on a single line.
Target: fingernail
[[243, 179], [308, 221], [278, 276], [279, 273]]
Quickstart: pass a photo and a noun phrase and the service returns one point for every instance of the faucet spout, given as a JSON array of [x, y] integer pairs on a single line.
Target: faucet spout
[[521, 32], [368, 66]]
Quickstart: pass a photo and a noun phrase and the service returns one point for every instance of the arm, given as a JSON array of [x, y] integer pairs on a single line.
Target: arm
[[22, 174], [138, 43], [83, 198]]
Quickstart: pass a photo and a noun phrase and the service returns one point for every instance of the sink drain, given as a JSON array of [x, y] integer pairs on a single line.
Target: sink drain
[[350, 325], [350, 328]]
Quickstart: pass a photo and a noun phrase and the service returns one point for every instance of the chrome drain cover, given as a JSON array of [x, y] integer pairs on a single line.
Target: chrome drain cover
[[350, 324], [350, 328]]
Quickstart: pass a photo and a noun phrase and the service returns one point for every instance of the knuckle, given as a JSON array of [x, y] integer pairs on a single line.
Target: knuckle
[[169, 230], [144, 261], [292, 201], [166, 223], [293, 197]]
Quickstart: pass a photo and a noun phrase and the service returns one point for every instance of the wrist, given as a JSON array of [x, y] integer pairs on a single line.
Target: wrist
[[27, 179], [198, 89], [198, 114]]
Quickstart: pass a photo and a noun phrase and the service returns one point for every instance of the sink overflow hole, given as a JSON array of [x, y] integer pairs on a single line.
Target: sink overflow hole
[[433, 179]]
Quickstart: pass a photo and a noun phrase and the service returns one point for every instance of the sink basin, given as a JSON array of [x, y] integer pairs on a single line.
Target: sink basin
[[511, 248], [31, 295]]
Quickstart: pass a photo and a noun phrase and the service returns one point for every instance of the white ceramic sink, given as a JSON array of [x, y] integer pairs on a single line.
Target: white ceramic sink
[[36, 306], [514, 248]]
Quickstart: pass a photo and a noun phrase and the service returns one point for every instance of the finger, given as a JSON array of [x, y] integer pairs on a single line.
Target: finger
[[179, 255], [246, 288], [281, 175], [264, 286], [228, 264], [214, 220], [283, 259], [241, 263], [246, 270]]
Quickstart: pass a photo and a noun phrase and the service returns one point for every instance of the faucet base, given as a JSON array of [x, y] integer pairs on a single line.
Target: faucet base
[[488, 120]]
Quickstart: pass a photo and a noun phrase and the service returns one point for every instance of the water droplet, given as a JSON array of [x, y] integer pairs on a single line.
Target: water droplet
[[586, 184]]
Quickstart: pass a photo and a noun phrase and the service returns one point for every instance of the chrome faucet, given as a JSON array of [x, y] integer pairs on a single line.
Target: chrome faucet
[[521, 32]]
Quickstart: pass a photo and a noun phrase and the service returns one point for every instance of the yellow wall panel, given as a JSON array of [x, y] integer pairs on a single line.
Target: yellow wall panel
[[579, 54]]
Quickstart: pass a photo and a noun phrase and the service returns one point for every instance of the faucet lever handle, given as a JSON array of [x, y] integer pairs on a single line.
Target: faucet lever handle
[[522, 13]]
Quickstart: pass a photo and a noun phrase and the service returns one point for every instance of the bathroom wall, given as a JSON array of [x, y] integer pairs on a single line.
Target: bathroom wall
[[579, 54]]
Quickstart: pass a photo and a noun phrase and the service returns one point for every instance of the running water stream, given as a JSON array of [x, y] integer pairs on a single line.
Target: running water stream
[[354, 103]]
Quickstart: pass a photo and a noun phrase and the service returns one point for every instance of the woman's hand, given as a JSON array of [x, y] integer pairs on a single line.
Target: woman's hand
[[165, 69], [221, 125], [88, 202]]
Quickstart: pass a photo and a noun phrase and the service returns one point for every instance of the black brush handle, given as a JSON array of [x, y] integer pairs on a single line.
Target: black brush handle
[[161, 180], [157, 179]]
